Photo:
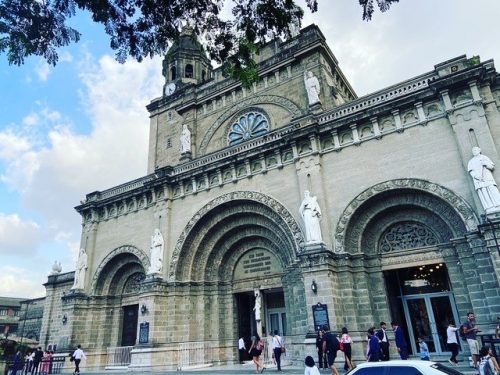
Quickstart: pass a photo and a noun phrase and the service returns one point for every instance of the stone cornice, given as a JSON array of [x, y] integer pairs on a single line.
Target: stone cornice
[[394, 99]]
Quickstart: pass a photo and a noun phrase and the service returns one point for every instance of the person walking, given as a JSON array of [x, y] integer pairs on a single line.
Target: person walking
[[346, 341], [330, 347], [384, 342], [37, 358], [241, 348], [255, 351], [373, 354], [424, 349], [452, 343], [488, 364], [471, 331], [17, 363], [277, 345], [399, 338], [320, 338], [78, 355]]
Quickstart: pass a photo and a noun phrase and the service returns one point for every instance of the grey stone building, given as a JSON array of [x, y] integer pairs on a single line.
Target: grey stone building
[[394, 227]]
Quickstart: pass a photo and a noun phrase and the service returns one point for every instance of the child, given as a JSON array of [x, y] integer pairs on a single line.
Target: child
[[424, 350], [311, 369]]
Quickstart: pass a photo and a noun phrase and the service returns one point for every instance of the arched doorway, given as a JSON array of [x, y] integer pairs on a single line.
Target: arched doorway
[[237, 244], [401, 228], [117, 284]]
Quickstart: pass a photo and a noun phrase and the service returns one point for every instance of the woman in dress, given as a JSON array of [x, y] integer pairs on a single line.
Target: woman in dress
[[346, 341], [255, 351]]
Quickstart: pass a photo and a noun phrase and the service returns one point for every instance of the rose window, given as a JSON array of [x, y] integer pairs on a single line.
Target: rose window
[[248, 126]]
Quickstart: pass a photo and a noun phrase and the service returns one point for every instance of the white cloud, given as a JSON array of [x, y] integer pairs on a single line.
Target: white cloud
[[20, 282], [12, 145], [65, 56], [42, 70], [18, 237], [31, 119]]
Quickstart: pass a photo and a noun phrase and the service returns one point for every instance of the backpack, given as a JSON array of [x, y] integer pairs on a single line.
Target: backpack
[[461, 333], [485, 367]]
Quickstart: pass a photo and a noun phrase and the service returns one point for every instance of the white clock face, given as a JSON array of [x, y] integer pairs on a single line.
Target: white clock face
[[169, 89]]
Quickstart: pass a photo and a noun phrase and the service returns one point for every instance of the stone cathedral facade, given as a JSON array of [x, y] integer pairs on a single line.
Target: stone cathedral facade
[[178, 256]]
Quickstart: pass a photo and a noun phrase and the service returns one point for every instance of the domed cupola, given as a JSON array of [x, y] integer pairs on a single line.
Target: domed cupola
[[185, 62]]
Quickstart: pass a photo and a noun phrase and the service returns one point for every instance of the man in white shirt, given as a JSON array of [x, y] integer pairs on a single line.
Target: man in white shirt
[[241, 348], [78, 354], [277, 344]]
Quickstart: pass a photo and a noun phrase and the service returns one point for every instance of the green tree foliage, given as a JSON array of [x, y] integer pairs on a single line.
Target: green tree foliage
[[141, 28]]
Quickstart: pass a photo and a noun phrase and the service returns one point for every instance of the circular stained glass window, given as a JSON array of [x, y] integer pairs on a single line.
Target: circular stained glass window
[[248, 126]]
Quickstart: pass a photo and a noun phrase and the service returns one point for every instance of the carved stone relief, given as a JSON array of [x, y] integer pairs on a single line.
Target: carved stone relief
[[267, 206], [450, 201], [287, 104], [114, 256]]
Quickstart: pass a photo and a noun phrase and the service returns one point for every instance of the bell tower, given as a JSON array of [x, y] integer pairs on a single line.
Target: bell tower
[[185, 62]]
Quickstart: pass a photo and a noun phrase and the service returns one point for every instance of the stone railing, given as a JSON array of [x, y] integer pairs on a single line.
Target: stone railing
[[377, 98], [358, 105], [234, 150]]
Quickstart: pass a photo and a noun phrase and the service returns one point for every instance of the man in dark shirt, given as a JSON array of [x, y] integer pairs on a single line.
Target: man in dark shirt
[[471, 331], [330, 347], [399, 338], [384, 342], [373, 354], [37, 358]]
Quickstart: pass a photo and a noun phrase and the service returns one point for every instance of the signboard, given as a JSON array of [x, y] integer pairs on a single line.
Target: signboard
[[320, 316], [257, 263], [144, 333]]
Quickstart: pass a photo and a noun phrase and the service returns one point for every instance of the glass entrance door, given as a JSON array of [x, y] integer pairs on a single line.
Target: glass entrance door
[[428, 316], [277, 321]]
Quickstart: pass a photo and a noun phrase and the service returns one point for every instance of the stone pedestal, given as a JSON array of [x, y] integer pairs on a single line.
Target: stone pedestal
[[316, 247], [316, 108], [185, 156]]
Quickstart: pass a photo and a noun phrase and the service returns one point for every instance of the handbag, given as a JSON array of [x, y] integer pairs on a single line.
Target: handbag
[[282, 347]]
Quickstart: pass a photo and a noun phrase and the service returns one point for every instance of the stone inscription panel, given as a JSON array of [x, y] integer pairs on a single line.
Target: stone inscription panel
[[257, 263]]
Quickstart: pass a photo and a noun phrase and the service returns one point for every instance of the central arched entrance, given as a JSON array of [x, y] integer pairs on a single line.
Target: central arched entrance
[[238, 244]]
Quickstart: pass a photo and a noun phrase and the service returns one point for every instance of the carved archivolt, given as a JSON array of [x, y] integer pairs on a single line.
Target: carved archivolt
[[127, 250], [448, 200], [203, 241], [254, 100]]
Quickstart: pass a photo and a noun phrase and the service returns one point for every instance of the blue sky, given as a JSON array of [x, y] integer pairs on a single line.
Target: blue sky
[[82, 126]]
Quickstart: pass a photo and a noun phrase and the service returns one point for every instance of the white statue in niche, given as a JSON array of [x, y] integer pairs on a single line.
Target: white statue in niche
[[156, 265], [257, 306], [311, 213], [185, 140], [480, 167], [81, 270], [312, 87]]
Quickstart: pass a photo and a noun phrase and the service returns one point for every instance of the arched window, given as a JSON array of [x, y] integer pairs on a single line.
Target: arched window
[[189, 71], [248, 125], [173, 73]]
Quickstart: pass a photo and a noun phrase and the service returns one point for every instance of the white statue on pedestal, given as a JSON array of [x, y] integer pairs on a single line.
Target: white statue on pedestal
[[185, 140], [156, 265], [311, 213], [312, 87], [56, 268], [257, 306], [81, 269], [480, 167]]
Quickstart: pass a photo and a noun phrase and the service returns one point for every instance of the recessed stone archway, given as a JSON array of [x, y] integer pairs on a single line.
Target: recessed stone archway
[[441, 206], [115, 269], [223, 225]]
